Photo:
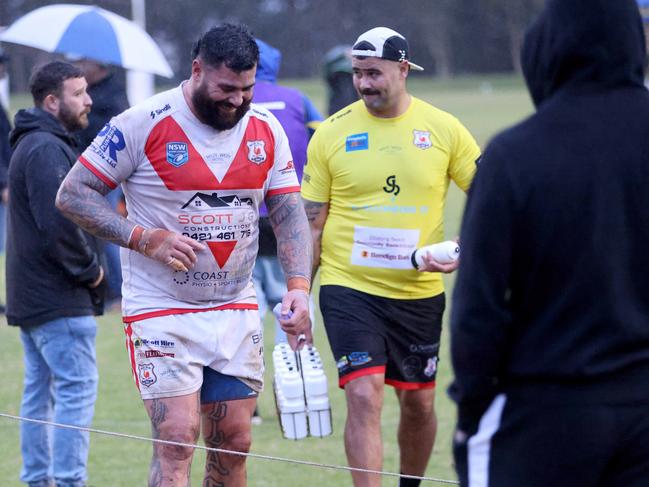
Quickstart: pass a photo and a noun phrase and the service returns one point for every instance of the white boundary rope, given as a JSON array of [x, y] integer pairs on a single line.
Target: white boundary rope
[[229, 452]]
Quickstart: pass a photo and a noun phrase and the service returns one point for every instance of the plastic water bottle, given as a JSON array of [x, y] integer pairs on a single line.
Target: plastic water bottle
[[315, 392], [442, 252], [289, 393]]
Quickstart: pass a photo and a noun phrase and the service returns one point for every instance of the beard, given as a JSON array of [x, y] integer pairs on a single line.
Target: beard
[[213, 113], [72, 121]]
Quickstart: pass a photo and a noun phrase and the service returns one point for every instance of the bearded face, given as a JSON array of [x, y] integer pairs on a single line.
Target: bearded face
[[73, 117], [220, 114], [74, 104]]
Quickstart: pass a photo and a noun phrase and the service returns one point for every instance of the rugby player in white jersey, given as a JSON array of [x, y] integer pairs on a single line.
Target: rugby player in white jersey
[[195, 163]]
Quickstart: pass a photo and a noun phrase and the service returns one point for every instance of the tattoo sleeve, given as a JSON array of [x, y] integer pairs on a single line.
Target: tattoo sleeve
[[316, 214], [81, 198], [294, 247]]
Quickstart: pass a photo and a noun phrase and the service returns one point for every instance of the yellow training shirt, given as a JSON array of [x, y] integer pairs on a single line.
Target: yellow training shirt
[[385, 180]]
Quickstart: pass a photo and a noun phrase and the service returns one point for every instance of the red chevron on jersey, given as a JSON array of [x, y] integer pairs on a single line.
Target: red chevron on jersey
[[249, 168], [221, 251], [195, 174], [192, 175]]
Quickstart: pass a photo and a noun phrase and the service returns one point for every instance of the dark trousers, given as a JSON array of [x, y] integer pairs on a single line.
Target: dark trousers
[[523, 443]]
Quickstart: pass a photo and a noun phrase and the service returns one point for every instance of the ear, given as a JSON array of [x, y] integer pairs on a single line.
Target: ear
[[404, 69], [197, 69], [51, 104]]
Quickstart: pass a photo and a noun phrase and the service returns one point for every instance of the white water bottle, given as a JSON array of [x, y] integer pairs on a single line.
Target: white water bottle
[[442, 252], [289, 393], [315, 392]]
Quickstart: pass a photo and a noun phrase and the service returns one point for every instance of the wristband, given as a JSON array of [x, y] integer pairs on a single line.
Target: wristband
[[136, 236], [301, 283]]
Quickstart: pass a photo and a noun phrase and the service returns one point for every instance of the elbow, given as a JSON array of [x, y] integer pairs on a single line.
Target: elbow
[[62, 196]]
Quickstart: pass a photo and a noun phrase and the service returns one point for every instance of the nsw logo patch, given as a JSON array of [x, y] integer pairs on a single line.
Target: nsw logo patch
[[177, 153], [357, 142]]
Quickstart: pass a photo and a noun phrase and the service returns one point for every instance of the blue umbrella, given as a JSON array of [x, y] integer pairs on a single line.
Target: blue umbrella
[[89, 32]]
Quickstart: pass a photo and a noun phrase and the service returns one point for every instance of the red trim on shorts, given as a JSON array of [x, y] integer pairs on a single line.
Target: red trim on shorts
[[410, 386], [96, 172], [182, 311], [289, 189], [379, 369], [128, 331]]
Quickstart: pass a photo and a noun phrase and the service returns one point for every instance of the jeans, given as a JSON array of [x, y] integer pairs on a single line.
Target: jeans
[[3, 225], [60, 386]]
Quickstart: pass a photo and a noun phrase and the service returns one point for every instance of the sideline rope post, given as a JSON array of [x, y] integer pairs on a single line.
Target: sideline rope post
[[230, 452]]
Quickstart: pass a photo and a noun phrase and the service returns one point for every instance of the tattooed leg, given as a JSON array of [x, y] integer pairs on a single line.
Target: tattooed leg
[[173, 419], [226, 425]]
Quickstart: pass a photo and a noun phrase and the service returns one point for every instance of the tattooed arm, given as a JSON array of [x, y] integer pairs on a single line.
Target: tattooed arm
[[291, 228], [295, 252], [81, 198], [317, 214]]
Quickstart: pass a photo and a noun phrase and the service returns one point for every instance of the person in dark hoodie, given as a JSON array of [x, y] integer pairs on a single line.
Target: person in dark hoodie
[[550, 321], [54, 281]]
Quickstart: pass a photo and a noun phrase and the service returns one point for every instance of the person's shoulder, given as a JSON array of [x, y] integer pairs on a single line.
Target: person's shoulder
[[517, 137], [263, 115], [349, 115], [152, 110], [433, 113], [260, 112]]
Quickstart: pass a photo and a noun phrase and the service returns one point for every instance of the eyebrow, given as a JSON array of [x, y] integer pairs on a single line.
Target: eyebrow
[[225, 85]]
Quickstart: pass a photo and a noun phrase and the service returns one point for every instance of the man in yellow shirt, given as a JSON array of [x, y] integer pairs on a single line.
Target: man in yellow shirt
[[374, 187]]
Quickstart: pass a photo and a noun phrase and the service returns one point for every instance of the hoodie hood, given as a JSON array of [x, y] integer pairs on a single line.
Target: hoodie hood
[[37, 120], [583, 45], [269, 61]]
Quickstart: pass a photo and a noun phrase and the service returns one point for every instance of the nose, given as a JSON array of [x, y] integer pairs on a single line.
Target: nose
[[88, 100], [364, 82], [236, 99]]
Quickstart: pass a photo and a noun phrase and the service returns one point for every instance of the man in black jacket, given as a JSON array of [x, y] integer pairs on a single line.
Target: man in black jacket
[[550, 322], [54, 280]]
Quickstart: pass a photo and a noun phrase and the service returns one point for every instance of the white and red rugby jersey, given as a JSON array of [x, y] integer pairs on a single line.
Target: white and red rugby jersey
[[180, 174]]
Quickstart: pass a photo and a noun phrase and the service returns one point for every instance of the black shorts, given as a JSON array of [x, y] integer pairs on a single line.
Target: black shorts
[[375, 335]]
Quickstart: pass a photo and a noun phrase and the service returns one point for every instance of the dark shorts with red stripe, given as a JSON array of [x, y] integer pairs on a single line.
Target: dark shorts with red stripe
[[375, 335]]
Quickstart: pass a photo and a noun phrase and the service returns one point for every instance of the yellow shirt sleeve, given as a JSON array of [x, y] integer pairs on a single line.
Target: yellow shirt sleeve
[[466, 152], [316, 182]]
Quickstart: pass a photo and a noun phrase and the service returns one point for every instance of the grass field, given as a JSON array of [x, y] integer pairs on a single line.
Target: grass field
[[484, 105]]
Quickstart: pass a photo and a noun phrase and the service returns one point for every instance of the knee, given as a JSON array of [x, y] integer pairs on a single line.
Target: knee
[[364, 400], [239, 441], [182, 435], [417, 408]]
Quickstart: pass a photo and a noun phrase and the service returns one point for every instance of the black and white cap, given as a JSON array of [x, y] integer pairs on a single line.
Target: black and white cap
[[384, 43]]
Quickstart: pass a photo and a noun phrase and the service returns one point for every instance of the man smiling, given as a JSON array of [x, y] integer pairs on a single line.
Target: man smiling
[[199, 153]]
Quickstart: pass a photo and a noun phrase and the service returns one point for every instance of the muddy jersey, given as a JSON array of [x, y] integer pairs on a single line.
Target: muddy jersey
[[180, 174]]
